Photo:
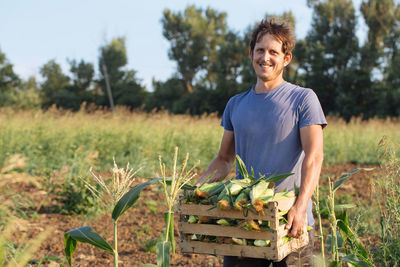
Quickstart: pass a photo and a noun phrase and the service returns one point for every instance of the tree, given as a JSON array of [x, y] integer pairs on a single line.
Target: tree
[[8, 79], [166, 94], [82, 75], [380, 18], [331, 57], [232, 56], [391, 78], [195, 36], [54, 86], [126, 88]]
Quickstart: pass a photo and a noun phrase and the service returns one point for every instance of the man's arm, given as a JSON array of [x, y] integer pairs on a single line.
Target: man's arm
[[312, 143], [222, 164]]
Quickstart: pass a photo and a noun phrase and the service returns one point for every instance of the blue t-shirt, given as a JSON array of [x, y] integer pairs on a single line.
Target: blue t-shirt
[[266, 128]]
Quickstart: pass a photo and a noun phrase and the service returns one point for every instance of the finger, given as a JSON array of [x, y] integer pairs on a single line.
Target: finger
[[294, 231], [288, 225]]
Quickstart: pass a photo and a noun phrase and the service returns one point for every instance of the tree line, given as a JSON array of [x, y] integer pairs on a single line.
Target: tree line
[[350, 77]]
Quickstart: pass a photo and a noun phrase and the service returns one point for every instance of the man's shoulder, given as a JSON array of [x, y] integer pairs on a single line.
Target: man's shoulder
[[299, 91], [239, 96]]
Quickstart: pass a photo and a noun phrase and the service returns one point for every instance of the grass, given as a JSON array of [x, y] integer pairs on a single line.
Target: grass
[[60, 146], [55, 140]]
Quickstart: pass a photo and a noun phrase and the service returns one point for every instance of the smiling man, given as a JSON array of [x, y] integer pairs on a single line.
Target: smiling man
[[275, 127]]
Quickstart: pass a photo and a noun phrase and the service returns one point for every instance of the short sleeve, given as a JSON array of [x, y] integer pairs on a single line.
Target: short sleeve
[[226, 121], [310, 111]]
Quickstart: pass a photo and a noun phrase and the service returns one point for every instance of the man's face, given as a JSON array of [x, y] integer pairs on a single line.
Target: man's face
[[268, 58]]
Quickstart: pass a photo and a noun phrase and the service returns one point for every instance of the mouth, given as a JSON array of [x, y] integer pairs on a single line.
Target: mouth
[[265, 65]]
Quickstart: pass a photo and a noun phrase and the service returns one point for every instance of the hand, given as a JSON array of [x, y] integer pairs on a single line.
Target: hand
[[296, 220]]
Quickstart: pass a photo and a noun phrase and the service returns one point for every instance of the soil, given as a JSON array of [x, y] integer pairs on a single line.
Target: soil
[[138, 225]]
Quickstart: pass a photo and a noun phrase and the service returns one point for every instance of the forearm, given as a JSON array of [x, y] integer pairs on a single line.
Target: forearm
[[310, 172], [218, 169]]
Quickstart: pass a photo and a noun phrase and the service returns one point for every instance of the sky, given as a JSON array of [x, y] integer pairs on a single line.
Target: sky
[[34, 32]]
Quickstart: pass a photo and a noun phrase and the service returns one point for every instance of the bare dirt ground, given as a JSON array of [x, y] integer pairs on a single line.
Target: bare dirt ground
[[139, 225]]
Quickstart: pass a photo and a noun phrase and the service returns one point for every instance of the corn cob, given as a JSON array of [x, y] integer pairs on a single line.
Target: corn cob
[[204, 190]]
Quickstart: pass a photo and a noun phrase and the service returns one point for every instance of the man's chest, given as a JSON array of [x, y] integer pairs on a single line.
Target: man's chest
[[264, 119]]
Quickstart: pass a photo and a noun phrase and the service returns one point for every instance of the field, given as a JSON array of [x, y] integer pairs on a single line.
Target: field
[[45, 156]]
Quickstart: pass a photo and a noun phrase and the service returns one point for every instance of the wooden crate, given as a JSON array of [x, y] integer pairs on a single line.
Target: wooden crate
[[276, 251]]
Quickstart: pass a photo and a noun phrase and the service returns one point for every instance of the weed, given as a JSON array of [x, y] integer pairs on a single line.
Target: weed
[[75, 198], [388, 191]]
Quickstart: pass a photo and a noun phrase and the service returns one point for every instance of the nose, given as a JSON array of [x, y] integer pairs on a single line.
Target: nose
[[265, 56]]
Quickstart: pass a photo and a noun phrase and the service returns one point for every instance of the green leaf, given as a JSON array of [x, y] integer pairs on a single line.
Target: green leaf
[[335, 264], [163, 249], [296, 189], [186, 186], [69, 247], [130, 198], [148, 265], [355, 261], [84, 234], [170, 231], [241, 167], [231, 202], [354, 241], [278, 177], [346, 176]]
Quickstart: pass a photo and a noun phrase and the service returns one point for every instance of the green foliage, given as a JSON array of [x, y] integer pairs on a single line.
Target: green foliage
[[8, 79], [342, 242], [84, 234], [331, 51], [389, 203], [195, 35], [75, 198], [130, 198], [125, 87]]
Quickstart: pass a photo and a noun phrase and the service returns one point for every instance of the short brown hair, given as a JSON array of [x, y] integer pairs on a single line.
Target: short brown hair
[[280, 29]]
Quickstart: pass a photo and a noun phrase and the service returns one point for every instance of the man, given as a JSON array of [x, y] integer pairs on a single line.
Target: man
[[275, 127]]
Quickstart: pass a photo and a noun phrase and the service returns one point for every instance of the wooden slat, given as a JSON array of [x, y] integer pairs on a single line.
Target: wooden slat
[[228, 250], [228, 231], [292, 245], [204, 210]]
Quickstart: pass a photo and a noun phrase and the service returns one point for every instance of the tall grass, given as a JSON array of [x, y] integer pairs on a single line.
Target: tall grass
[[54, 139], [388, 191]]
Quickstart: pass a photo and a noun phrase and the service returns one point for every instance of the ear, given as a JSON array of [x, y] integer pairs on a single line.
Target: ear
[[251, 54], [288, 58]]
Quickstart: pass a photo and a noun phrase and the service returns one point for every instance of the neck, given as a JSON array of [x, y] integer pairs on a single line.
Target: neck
[[262, 86]]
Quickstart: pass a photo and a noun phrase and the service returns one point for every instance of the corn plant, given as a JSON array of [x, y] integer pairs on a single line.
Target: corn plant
[[342, 242], [118, 196], [172, 186]]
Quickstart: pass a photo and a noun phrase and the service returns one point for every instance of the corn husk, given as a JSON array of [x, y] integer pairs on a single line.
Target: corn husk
[[242, 199], [223, 222], [283, 194], [193, 219], [249, 225], [223, 204], [239, 241], [262, 243], [204, 190], [258, 192], [235, 188]]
